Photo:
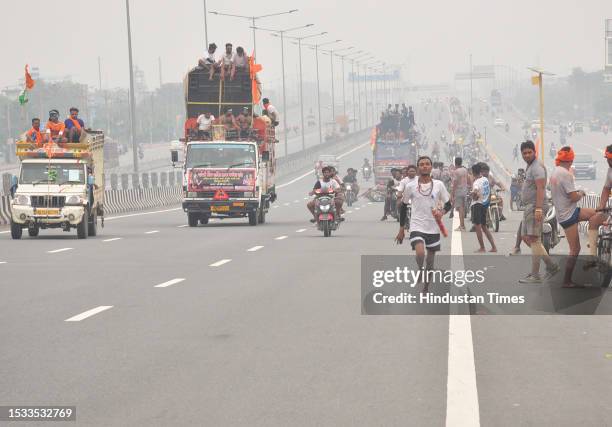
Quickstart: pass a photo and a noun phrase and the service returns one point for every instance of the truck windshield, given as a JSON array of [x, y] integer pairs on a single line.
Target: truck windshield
[[52, 173], [220, 155], [392, 151]]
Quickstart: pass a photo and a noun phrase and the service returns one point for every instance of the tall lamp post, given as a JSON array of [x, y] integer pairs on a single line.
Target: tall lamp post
[[253, 19], [358, 76], [299, 43], [132, 98], [354, 55], [282, 37], [331, 53], [316, 49], [537, 81]]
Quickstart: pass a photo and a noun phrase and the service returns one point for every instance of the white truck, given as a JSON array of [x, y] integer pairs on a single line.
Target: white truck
[[59, 186], [227, 179]]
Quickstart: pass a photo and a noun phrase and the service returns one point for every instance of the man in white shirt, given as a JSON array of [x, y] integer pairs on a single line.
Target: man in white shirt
[[409, 173], [240, 61], [481, 196], [205, 122], [430, 201], [325, 184], [226, 63], [209, 61], [272, 111]]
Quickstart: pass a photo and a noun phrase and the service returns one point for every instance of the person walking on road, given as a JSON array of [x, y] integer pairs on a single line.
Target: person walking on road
[[481, 197], [430, 201], [459, 191], [536, 205]]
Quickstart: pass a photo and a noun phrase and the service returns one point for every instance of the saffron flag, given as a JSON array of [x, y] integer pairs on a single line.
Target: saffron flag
[[253, 70], [29, 82]]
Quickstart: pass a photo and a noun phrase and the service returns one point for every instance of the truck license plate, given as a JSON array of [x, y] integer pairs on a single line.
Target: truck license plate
[[219, 208], [238, 204], [39, 211]]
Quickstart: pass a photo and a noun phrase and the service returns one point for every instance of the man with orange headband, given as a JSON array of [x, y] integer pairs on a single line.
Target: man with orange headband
[[565, 198], [34, 134], [55, 129]]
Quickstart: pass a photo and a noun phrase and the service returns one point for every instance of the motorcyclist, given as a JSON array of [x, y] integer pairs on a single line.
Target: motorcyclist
[[391, 187], [366, 166], [351, 178], [325, 184], [493, 182]]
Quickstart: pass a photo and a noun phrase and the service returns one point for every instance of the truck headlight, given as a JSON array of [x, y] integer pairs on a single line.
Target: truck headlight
[[74, 200], [248, 194], [22, 200], [191, 194]]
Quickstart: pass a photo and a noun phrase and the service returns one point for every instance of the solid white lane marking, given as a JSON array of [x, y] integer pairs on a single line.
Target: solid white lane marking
[[169, 283], [220, 263], [254, 249], [301, 230], [112, 240], [462, 408], [311, 173], [280, 237], [152, 232], [56, 251], [89, 313], [183, 226], [142, 214]]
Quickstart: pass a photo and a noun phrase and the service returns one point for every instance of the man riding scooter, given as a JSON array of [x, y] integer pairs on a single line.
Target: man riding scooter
[[325, 184]]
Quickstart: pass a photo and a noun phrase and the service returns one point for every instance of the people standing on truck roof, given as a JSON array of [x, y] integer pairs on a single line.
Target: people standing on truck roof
[[209, 62], [260, 124], [411, 116], [74, 125], [191, 128], [240, 62], [272, 111], [226, 63], [205, 122], [55, 129], [34, 134]]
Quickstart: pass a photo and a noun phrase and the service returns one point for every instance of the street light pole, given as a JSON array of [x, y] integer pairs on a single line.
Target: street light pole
[[537, 80], [132, 100], [205, 28]]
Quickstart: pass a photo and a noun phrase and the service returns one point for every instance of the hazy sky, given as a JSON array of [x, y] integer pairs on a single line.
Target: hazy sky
[[433, 38]]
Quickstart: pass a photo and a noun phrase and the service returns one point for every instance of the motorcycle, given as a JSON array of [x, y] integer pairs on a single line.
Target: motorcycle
[[550, 229], [351, 196], [140, 153], [494, 212], [507, 128], [325, 210], [366, 172]]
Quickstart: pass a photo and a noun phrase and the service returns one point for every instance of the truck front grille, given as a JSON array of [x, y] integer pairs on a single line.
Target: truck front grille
[[48, 201]]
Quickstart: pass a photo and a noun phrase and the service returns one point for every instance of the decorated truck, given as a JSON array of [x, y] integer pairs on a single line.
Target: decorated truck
[[392, 151], [226, 174], [59, 186]]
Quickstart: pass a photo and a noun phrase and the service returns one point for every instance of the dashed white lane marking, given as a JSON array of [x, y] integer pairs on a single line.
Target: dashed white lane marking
[[141, 214], [276, 207], [112, 240], [2, 262], [286, 204], [89, 313], [5, 232], [296, 201], [152, 232], [254, 248], [305, 198], [220, 263], [357, 209], [56, 251], [280, 237], [183, 226], [369, 203], [169, 283], [349, 212], [301, 230], [462, 407]]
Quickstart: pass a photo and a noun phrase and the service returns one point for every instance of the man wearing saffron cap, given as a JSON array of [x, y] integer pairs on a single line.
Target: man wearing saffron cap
[[565, 197]]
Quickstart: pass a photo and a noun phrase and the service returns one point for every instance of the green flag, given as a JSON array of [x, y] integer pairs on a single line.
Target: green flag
[[23, 97]]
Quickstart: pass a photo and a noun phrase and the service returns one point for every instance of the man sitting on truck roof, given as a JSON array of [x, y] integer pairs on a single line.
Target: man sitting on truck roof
[[240, 62], [34, 134], [205, 122], [226, 63], [209, 61], [55, 129], [74, 125]]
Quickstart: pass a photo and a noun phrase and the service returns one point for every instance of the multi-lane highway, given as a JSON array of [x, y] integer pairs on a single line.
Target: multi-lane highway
[[153, 323]]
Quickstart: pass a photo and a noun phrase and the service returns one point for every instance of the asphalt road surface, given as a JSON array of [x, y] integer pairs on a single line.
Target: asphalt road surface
[[153, 323]]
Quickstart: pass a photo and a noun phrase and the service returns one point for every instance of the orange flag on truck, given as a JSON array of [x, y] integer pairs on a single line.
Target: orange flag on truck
[[29, 82], [253, 70]]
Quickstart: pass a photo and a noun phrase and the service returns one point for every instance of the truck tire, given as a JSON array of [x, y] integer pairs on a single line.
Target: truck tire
[[16, 231], [192, 219], [92, 225], [33, 232], [204, 219], [253, 218], [261, 217], [83, 226]]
